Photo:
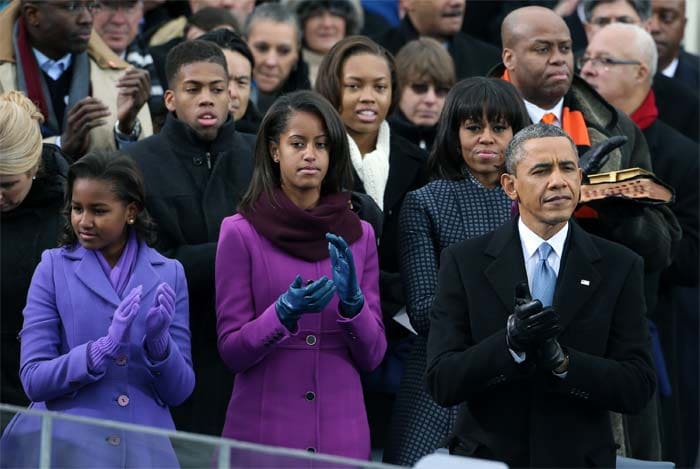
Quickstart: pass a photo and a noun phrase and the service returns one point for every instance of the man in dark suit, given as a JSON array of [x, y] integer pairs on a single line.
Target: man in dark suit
[[442, 20], [538, 380], [667, 27]]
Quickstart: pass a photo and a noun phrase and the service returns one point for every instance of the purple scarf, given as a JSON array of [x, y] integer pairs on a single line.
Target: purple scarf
[[119, 275], [302, 233]]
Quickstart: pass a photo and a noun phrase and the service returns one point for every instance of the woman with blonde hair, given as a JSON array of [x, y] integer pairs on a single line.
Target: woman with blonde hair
[[32, 182]]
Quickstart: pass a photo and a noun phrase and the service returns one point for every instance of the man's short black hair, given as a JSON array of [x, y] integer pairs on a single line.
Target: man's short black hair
[[230, 40], [189, 52]]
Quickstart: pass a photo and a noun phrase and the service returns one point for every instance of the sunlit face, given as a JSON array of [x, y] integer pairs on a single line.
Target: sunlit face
[[483, 145], [276, 51], [14, 189], [667, 26], [117, 22], [199, 96], [302, 155], [366, 93], [603, 70], [546, 184], [619, 11], [323, 30], [437, 18], [99, 218], [240, 73], [422, 102], [541, 64]]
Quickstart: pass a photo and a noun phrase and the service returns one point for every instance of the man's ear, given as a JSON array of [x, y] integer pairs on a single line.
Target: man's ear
[[509, 186], [643, 73], [508, 58], [30, 12], [169, 98], [589, 30]]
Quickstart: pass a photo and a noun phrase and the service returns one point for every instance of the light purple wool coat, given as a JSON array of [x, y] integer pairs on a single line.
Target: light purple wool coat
[[299, 390], [70, 303]]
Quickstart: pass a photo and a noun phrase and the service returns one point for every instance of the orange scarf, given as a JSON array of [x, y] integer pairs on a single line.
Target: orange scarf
[[572, 122]]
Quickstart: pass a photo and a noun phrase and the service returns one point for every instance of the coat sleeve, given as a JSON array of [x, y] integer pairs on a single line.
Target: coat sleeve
[[364, 333], [243, 339], [173, 377], [46, 373], [623, 380], [419, 262], [458, 368]]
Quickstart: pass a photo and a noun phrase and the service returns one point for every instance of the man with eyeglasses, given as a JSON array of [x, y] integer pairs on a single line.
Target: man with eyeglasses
[[538, 60], [90, 98], [677, 104], [667, 27], [627, 86], [118, 24]]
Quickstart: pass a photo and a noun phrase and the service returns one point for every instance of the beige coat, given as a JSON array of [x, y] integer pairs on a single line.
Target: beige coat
[[105, 69]]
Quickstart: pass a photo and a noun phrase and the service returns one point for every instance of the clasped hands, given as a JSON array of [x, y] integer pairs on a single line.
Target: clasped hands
[[313, 297], [533, 329], [158, 320]]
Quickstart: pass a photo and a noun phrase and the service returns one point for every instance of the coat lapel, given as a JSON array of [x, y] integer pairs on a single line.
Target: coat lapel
[[578, 278], [508, 266], [91, 274], [144, 274], [402, 172]]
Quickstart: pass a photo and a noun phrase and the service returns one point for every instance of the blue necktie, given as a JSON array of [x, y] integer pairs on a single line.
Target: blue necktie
[[544, 280]]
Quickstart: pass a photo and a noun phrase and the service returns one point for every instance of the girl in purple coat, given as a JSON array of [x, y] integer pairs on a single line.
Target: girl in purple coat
[[297, 296], [105, 331]]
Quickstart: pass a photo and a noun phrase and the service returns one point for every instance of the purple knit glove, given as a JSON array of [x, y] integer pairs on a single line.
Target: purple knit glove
[[158, 322], [104, 348]]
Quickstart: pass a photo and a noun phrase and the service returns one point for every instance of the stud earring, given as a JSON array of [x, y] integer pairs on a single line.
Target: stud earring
[[130, 221]]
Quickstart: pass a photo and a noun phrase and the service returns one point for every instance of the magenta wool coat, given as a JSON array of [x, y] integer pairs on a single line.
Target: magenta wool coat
[[299, 390], [70, 303]]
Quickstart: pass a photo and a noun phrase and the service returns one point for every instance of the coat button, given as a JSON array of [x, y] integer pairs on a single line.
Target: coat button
[[310, 396], [310, 340], [123, 400], [311, 450], [121, 360], [114, 440]]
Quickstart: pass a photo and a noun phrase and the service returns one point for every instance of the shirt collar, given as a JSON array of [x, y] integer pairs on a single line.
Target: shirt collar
[[530, 241], [53, 68], [670, 71], [537, 112]]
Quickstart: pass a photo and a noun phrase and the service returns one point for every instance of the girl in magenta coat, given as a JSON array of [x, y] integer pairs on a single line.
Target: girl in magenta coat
[[297, 292]]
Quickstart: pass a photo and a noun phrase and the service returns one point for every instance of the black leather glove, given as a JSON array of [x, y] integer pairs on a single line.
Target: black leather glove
[[550, 357], [530, 324]]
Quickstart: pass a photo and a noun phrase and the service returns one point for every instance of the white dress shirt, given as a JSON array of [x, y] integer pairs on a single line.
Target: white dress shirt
[[535, 112]]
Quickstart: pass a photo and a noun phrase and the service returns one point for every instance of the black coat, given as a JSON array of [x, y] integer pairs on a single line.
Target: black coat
[[688, 70], [421, 136], [407, 172], [675, 160], [25, 233], [514, 412], [678, 105], [471, 56], [191, 186]]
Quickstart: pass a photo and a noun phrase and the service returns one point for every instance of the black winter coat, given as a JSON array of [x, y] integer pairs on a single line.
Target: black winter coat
[[191, 186], [25, 233]]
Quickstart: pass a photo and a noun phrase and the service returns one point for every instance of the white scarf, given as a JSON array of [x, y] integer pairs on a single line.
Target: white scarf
[[373, 168]]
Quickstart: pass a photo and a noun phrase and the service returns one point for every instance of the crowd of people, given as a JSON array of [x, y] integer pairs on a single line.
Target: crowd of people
[[347, 227]]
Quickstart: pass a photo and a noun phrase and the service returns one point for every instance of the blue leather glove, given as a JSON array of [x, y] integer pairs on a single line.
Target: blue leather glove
[[349, 293], [298, 300]]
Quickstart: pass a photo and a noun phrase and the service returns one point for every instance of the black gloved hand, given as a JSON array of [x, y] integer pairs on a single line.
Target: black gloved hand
[[550, 357], [530, 324], [299, 300]]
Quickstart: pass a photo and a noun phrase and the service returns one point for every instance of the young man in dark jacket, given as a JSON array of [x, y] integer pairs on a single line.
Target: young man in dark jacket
[[196, 170]]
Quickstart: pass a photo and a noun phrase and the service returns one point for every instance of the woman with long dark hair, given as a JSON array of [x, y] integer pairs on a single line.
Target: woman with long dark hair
[[297, 297]]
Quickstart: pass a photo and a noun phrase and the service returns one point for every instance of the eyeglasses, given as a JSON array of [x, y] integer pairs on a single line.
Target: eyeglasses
[[422, 88], [601, 21], [115, 6], [78, 7], [605, 62]]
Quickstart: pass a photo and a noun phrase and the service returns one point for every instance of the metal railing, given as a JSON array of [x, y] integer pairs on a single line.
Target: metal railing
[[222, 447]]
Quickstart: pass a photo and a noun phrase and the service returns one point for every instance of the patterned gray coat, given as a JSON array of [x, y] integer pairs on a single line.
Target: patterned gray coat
[[432, 218]]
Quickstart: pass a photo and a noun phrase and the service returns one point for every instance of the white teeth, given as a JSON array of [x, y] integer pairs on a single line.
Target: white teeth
[[368, 113]]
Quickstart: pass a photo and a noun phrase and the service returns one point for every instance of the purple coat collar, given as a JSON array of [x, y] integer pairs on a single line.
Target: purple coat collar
[[90, 273]]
